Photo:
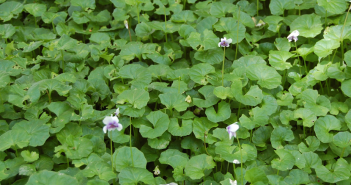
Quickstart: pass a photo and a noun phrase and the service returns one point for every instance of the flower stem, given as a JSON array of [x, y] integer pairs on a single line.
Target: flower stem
[[205, 144], [130, 35], [165, 23], [111, 153], [223, 66], [241, 162], [67, 160], [63, 62], [130, 141], [341, 37], [258, 2], [237, 36], [298, 58]]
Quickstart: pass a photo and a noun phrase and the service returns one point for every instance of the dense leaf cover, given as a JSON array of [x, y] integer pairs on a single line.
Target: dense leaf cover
[[209, 92]]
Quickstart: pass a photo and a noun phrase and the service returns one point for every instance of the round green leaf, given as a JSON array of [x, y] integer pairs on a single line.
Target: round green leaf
[[198, 165], [340, 172], [159, 121], [253, 97], [335, 6], [222, 114], [211, 56], [36, 129], [160, 142], [122, 158], [324, 125], [342, 139], [176, 129], [49, 177], [278, 59], [133, 175], [279, 135], [138, 98], [256, 174], [266, 76], [17, 138], [174, 158], [346, 87], [29, 156], [35, 9], [325, 47], [174, 100], [285, 162], [308, 25], [235, 31]]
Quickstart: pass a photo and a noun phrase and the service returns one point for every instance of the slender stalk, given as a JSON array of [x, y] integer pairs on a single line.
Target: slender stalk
[[130, 141], [130, 35], [223, 67], [239, 110], [237, 36], [304, 62], [138, 13], [63, 62], [258, 2], [205, 144], [320, 83], [228, 167], [67, 160], [111, 153], [278, 172], [165, 24], [234, 171], [35, 22], [298, 58], [325, 19], [342, 153], [16, 151], [241, 162], [49, 95], [184, 3], [299, 10], [341, 40]]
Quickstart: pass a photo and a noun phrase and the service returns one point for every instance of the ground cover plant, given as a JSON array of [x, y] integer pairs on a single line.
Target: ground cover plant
[[175, 92]]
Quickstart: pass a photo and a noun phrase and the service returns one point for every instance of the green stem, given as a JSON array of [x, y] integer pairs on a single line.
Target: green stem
[[16, 151], [138, 13], [63, 62], [49, 95], [325, 19], [234, 171], [67, 160], [239, 110], [320, 83], [184, 3], [341, 37], [205, 144], [241, 160], [237, 36], [228, 167], [35, 22], [258, 2], [223, 67], [298, 58], [165, 24], [304, 62], [111, 153], [130, 141], [130, 35], [278, 172], [342, 153]]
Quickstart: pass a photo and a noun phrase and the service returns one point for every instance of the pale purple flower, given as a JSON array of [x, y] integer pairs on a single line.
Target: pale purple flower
[[236, 161], [232, 182], [231, 129], [225, 42], [111, 123], [117, 112], [293, 36]]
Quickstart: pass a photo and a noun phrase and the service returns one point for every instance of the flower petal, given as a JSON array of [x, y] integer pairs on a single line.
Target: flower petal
[[120, 127], [104, 129], [229, 41], [107, 120]]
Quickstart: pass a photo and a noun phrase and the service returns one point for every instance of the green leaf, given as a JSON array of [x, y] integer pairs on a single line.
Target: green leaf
[[324, 125], [262, 135], [198, 165], [325, 47], [76, 148], [183, 129], [211, 56], [201, 127], [334, 7], [346, 87], [123, 158], [50, 177], [253, 97], [334, 33], [207, 39], [222, 92], [84, 4], [143, 30], [222, 113], [35, 9], [256, 174], [278, 59], [138, 98], [342, 139], [267, 76], [7, 30], [183, 16], [277, 7], [220, 9], [285, 162], [139, 75], [174, 158], [198, 73], [9, 9], [160, 142], [235, 31], [174, 100], [319, 105], [307, 116], [36, 130], [159, 121], [131, 175], [14, 138], [297, 176], [136, 49], [309, 25], [340, 172], [280, 135], [29, 156]]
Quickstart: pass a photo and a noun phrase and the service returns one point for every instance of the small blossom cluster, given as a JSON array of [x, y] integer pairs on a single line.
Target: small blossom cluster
[[112, 122]]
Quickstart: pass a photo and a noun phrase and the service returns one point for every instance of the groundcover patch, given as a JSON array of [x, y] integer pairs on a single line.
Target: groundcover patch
[[173, 92]]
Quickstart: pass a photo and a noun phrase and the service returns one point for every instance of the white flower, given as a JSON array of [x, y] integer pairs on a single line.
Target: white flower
[[126, 24], [232, 182], [172, 183], [111, 123], [188, 99], [236, 161], [260, 23], [157, 171], [231, 129], [117, 112], [225, 42], [293, 36]]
